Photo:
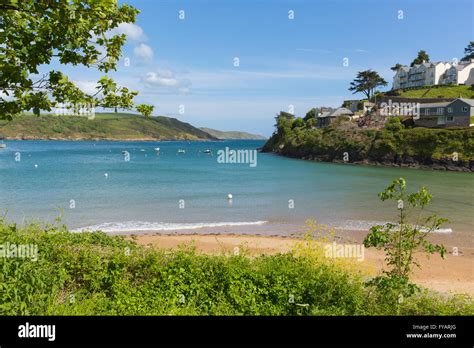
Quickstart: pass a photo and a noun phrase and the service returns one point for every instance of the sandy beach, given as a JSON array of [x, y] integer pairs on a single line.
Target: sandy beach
[[455, 274]]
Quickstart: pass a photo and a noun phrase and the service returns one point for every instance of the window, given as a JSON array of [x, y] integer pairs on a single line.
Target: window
[[450, 110], [427, 111], [449, 118], [464, 109]]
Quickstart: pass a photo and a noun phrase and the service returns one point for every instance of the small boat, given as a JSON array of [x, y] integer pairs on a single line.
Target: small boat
[[181, 151]]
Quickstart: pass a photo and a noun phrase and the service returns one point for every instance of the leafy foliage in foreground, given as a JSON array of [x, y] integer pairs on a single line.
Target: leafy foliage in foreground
[[400, 241], [96, 274], [78, 33]]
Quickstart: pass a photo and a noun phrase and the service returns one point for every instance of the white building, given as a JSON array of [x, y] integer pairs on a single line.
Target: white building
[[434, 73], [400, 80], [460, 74]]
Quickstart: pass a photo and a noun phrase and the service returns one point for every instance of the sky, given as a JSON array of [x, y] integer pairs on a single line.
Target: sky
[[233, 65]]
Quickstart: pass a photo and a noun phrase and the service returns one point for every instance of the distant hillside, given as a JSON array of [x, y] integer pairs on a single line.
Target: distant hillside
[[232, 134], [111, 126], [438, 91]]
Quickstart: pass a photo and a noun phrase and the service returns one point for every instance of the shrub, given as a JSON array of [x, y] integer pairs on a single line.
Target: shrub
[[400, 241], [96, 274]]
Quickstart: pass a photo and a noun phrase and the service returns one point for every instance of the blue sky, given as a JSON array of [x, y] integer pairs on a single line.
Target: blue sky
[[282, 61]]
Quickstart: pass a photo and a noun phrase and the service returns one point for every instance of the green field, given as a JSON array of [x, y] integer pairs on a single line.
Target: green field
[[437, 92], [115, 126]]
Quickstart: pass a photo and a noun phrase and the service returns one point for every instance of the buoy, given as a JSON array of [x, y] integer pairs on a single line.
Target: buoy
[[229, 196]]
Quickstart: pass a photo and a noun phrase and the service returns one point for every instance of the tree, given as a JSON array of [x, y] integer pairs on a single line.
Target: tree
[[469, 51], [400, 241], [420, 58], [145, 110], [284, 123], [396, 67], [311, 123], [313, 113], [298, 123], [366, 82], [33, 33]]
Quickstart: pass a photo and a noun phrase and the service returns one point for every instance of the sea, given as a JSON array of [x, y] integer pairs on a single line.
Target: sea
[[185, 187]]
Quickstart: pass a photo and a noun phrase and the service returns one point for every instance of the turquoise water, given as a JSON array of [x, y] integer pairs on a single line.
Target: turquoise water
[[145, 193]]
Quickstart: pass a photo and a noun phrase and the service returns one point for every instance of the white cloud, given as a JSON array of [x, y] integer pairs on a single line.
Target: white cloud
[[88, 87], [132, 31], [143, 51], [239, 78], [157, 79], [166, 81]]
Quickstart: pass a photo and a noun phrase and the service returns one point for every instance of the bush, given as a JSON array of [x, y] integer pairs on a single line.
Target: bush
[[96, 274]]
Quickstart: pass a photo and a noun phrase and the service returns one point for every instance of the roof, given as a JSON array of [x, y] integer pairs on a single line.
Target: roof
[[434, 105], [467, 101], [404, 68], [444, 104], [325, 114], [337, 112]]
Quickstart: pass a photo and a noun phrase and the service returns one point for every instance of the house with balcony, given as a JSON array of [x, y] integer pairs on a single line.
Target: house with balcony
[[460, 74], [400, 80], [434, 73], [456, 113], [419, 75]]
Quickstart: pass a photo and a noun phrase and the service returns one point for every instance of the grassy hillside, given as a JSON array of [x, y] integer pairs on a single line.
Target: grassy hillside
[[231, 134], [116, 126], [438, 92]]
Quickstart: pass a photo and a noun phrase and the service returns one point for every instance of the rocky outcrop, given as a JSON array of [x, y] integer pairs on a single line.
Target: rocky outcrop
[[403, 162]]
